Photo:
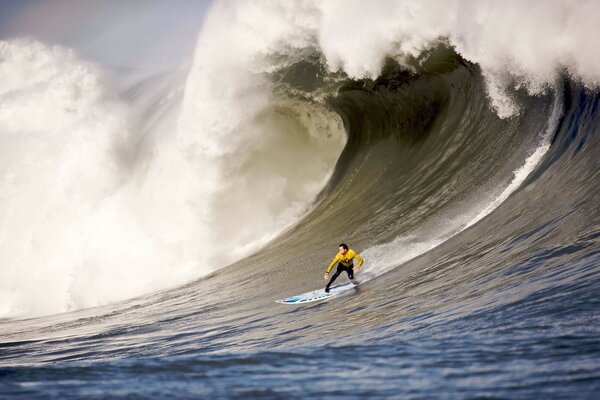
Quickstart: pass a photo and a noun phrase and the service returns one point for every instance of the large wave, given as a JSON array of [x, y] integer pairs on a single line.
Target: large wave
[[432, 113]]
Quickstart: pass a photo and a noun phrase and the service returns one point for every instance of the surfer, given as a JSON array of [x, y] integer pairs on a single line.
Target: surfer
[[345, 259]]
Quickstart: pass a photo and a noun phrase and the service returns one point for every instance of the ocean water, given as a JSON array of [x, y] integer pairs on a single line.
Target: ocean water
[[151, 220]]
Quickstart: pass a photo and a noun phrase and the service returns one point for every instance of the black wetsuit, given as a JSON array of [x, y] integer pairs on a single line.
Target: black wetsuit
[[341, 268]]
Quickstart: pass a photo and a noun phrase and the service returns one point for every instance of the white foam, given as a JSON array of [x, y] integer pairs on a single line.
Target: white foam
[[78, 227], [83, 222], [516, 43]]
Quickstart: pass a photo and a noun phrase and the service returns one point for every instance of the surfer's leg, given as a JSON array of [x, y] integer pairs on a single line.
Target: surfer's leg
[[350, 271], [337, 273]]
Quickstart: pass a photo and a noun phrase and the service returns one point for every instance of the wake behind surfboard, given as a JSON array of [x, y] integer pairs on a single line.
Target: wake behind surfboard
[[317, 295]]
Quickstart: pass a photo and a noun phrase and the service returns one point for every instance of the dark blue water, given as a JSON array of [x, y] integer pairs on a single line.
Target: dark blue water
[[544, 346]]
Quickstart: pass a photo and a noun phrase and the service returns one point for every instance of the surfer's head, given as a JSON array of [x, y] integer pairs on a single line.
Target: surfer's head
[[343, 248]]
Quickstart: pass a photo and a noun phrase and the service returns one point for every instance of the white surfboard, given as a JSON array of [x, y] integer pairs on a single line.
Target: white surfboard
[[317, 295]]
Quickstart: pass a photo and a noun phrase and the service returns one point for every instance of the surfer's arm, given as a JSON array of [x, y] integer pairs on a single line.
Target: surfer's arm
[[335, 259], [360, 261]]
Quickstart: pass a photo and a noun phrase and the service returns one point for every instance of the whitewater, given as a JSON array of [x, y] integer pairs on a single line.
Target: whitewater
[[151, 216]]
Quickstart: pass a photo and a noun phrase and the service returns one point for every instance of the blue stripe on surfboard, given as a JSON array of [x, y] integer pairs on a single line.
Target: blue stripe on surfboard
[[316, 295]]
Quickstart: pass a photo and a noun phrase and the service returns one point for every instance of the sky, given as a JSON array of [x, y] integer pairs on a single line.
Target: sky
[[155, 34]]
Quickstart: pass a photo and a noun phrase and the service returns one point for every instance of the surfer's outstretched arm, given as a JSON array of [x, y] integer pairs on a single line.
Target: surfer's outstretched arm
[[335, 260], [360, 262]]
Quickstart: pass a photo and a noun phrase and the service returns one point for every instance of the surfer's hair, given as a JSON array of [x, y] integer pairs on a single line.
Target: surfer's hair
[[344, 245]]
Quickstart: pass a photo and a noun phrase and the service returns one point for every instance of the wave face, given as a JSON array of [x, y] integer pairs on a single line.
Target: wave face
[[463, 170]]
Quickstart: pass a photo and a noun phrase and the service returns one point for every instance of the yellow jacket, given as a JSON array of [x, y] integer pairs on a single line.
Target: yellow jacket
[[346, 259]]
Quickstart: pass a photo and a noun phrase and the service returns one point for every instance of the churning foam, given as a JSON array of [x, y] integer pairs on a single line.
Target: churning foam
[[516, 43], [85, 223], [77, 227]]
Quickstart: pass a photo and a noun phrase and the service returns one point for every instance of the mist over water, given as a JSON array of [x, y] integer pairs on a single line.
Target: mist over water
[[150, 217], [130, 206]]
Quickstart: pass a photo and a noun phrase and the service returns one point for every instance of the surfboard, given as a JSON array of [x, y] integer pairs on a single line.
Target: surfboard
[[317, 295]]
